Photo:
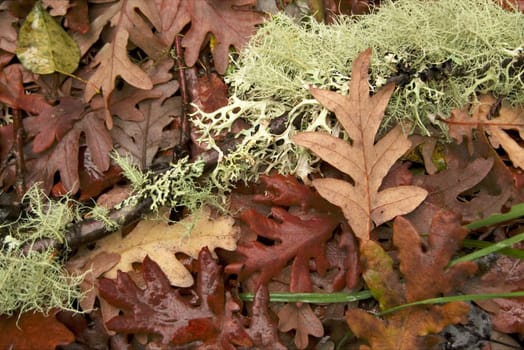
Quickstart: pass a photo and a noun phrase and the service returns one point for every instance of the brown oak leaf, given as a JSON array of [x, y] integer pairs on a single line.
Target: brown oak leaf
[[474, 185], [505, 275], [159, 309], [131, 22], [425, 276], [64, 156], [231, 22], [496, 126], [303, 320], [406, 329], [424, 265], [364, 160], [142, 139], [33, 331]]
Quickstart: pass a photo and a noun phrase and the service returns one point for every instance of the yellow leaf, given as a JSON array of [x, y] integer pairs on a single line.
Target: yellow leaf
[[161, 241], [43, 45]]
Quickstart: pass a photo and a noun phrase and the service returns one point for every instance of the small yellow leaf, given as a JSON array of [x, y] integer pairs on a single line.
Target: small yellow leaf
[[43, 45]]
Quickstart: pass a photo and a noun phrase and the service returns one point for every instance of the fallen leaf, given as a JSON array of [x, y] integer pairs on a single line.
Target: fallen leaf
[[142, 139], [364, 160], [263, 328], [505, 275], [406, 329], [303, 320], [295, 239], [159, 309], [160, 241], [33, 331], [496, 127], [424, 274], [424, 265], [232, 22], [43, 46]]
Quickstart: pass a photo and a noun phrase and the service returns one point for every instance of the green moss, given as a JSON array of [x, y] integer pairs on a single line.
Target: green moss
[[441, 52]]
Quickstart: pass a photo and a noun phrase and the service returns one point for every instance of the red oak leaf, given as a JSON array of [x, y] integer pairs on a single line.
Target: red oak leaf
[[33, 331], [211, 320]]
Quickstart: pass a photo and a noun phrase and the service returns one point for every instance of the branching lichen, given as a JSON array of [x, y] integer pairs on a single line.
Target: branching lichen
[[180, 185], [440, 54], [36, 280]]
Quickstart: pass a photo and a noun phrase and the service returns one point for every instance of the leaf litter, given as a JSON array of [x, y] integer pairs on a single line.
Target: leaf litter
[[376, 219]]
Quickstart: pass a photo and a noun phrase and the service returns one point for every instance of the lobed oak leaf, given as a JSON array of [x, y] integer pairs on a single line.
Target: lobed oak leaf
[[12, 91], [32, 331], [295, 239], [505, 275], [406, 329], [142, 139], [496, 127], [474, 185], [160, 309], [131, 21], [52, 124], [231, 22], [425, 276], [425, 265], [64, 156], [303, 320], [263, 328], [160, 241], [364, 160]]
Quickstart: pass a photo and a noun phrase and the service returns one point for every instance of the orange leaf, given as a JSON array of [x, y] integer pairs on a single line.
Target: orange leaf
[[407, 329], [33, 331], [364, 160]]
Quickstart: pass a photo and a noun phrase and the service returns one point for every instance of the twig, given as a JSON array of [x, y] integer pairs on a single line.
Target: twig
[[19, 136], [90, 230], [181, 148]]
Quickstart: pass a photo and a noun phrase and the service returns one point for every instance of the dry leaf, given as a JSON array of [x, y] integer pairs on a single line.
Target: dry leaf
[[364, 160], [33, 331], [303, 320], [496, 127], [161, 241]]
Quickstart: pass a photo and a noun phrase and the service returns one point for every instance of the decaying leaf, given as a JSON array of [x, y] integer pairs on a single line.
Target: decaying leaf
[[364, 160], [497, 126], [505, 275], [298, 236], [303, 320], [231, 22], [423, 265], [44, 47], [160, 241], [33, 331], [425, 276], [407, 329], [211, 320]]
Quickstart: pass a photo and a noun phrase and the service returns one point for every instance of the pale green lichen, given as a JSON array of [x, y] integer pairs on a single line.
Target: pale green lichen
[[181, 185], [446, 51], [36, 280]]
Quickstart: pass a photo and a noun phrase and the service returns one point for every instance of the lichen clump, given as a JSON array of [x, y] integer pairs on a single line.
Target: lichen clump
[[439, 53], [36, 280]]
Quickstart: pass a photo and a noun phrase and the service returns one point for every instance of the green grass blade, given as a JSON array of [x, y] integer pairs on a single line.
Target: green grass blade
[[314, 298], [511, 252], [515, 212], [465, 297], [490, 249]]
